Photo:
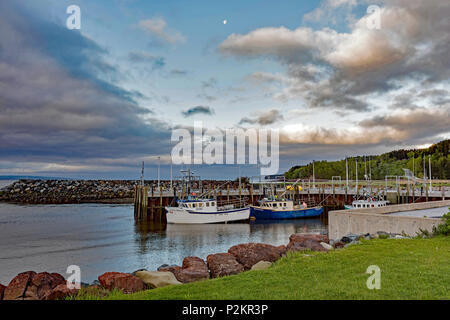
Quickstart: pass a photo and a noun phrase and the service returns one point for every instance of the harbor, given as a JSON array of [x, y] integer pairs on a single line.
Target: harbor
[[150, 201]]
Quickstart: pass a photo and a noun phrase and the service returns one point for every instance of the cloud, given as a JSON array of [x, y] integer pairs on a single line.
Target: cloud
[[264, 118], [198, 110], [210, 83], [58, 103], [157, 26], [144, 57], [340, 70], [178, 72], [398, 128], [415, 124], [327, 10]]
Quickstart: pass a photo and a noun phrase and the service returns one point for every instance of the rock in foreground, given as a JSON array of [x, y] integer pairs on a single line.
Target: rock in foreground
[[300, 242], [157, 279], [223, 264], [125, 282], [33, 286], [262, 265], [18, 285], [2, 291], [251, 253], [193, 269], [60, 292], [42, 284]]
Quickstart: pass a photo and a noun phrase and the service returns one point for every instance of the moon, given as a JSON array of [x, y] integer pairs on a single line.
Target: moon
[[225, 21]]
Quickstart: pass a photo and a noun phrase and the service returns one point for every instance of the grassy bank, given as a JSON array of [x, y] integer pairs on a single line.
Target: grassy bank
[[410, 269]]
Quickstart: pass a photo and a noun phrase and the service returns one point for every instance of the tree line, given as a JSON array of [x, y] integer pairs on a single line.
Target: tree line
[[379, 166]]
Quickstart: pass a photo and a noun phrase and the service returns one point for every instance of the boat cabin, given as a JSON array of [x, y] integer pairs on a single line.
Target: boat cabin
[[361, 204], [278, 205], [198, 205]]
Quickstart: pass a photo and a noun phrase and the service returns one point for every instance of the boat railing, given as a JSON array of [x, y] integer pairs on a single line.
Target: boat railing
[[235, 203]]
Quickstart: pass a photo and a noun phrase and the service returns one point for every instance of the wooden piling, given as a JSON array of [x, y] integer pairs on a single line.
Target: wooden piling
[[140, 203]]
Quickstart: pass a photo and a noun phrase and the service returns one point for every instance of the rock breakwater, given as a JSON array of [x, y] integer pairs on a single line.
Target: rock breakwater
[[68, 191]]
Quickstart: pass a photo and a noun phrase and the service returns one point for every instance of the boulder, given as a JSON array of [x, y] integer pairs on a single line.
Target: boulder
[[157, 279], [174, 269], [135, 272], [301, 237], [41, 284], [60, 292], [262, 265], [338, 244], [251, 253], [326, 246], [305, 241], [167, 267], [125, 282], [193, 269], [18, 285], [2, 290], [223, 264], [350, 238]]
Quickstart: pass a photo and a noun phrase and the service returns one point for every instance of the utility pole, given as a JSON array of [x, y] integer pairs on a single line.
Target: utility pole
[[424, 169], [239, 173], [365, 168], [356, 175], [314, 177], [429, 169], [171, 176]]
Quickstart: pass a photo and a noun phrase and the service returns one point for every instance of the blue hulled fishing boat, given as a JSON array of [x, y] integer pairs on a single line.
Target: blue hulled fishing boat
[[272, 208]]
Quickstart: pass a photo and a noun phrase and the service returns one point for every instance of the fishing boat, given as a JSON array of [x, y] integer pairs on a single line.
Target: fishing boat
[[274, 209], [368, 201], [195, 210]]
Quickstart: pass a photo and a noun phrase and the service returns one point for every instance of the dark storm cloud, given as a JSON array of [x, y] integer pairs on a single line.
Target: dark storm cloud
[[198, 110], [58, 100]]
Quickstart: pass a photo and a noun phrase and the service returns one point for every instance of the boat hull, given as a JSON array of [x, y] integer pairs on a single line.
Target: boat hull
[[182, 216], [267, 214]]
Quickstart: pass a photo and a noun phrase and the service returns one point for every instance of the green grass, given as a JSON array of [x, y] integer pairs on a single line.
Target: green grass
[[410, 269]]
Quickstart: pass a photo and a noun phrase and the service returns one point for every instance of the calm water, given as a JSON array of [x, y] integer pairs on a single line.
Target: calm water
[[101, 238]]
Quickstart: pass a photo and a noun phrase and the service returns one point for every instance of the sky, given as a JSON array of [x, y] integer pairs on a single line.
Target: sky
[[96, 102]]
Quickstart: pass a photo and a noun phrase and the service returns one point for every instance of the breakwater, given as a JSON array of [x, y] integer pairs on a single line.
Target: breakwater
[[68, 191], [29, 191]]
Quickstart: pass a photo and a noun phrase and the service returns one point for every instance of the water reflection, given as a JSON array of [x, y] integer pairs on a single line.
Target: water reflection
[[101, 238]]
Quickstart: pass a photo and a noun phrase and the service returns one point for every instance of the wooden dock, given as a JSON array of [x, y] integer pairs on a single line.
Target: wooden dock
[[150, 202]]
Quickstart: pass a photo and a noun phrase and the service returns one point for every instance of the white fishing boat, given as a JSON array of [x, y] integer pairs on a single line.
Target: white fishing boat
[[199, 211], [367, 202]]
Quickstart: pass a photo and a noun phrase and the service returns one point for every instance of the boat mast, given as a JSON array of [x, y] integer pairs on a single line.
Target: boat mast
[[314, 179], [365, 168], [429, 168], [159, 171], [346, 172], [171, 176], [142, 174]]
